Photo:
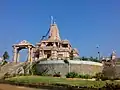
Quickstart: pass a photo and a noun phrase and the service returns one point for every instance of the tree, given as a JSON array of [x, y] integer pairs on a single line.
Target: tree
[[84, 58], [91, 58], [5, 55], [94, 59]]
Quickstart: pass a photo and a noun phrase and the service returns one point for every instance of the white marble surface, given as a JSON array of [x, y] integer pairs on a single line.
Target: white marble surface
[[71, 62]]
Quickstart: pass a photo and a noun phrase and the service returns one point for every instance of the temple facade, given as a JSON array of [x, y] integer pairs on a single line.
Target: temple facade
[[53, 47]]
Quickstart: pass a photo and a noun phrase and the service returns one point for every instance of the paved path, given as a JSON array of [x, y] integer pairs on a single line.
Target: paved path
[[11, 87]]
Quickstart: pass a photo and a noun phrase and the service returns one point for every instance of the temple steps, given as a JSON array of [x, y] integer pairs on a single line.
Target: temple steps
[[9, 67]]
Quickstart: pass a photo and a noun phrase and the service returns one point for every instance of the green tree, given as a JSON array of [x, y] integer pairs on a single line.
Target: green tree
[[84, 58], [91, 58], [94, 59], [6, 55]]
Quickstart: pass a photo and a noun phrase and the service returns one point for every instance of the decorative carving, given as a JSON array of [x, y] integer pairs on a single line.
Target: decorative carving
[[24, 42]]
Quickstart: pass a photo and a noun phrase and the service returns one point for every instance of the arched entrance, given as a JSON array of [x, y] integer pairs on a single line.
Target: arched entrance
[[22, 45]]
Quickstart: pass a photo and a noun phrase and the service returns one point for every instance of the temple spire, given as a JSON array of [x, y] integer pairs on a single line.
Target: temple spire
[[54, 31]]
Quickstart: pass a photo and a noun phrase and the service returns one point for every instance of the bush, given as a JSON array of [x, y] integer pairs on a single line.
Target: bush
[[99, 76], [104, 78], [57, 74], [43, 74], [71, 75], [85, 76], [111, 86]]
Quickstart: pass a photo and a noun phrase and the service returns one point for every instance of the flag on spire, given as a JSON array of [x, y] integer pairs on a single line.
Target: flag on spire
[[97, 46], [52, 20]]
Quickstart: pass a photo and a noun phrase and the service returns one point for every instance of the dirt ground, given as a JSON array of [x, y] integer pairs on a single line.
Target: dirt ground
[[11, 87]]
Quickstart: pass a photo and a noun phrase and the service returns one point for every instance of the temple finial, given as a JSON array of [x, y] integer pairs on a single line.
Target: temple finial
[[52, 20]]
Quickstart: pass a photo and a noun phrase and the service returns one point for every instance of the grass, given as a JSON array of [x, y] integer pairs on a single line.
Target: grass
[[53, 80]]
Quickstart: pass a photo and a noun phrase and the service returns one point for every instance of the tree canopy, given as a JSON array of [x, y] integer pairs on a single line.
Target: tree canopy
[[6, 56], [89, 59]]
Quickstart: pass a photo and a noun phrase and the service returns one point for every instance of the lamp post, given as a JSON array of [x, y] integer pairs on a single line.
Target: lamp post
[[98, 52]]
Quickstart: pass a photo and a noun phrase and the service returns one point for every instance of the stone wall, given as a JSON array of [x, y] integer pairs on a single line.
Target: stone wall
[[117, 67], [63, 68]]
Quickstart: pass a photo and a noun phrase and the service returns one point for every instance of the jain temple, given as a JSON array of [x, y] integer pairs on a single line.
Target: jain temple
[[51, 47], [51, 52]]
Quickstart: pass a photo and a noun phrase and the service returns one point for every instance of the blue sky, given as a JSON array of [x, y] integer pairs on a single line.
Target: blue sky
[[85, 23]]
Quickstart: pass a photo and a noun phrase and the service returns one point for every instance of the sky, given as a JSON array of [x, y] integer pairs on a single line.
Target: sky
[[85, 23]]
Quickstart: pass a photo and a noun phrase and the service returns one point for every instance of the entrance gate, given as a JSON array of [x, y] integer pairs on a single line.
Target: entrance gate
[[22, 45]]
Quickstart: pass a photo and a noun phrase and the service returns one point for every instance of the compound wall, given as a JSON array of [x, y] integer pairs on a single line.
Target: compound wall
[[81, 67]]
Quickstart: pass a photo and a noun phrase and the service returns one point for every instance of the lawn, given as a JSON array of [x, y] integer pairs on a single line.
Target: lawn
[[53, 80]]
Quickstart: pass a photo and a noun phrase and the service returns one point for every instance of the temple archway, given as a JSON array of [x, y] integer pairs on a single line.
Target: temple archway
[[23, 45], [23, 55]]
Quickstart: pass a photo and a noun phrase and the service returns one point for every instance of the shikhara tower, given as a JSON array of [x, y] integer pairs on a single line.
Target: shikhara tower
[[54, 47]]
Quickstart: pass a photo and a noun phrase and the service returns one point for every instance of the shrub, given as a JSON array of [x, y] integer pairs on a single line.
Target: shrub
[[116, 78], [104, 78], [44, 74], [71, 75], [98, 76], [101, 76], [57, 74], [86, 76]]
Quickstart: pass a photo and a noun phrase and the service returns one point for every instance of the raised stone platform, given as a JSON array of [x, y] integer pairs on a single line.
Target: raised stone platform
[[81, 67]]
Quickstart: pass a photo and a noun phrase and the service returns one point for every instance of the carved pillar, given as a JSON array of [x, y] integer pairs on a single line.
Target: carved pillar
[[18, 56], [29, 53], [31, 56], [14, 54], [43, 53]]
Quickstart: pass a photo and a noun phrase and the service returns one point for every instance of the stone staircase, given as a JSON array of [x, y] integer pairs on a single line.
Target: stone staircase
[[13, 68], [10, 68]]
